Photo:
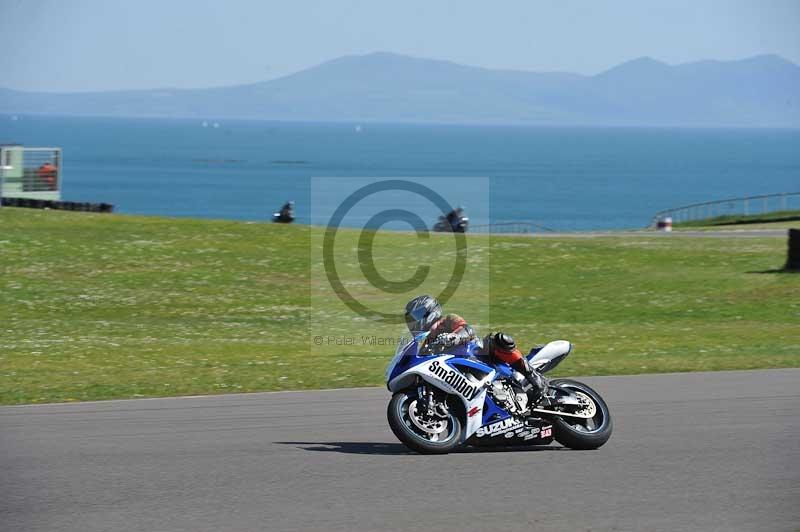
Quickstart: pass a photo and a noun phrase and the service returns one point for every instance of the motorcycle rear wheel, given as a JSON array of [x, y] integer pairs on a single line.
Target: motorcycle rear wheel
[[399, 413], [578, 433]]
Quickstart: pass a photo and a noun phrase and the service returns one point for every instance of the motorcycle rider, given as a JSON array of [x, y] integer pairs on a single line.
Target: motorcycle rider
[[286, 214], [424, 314], [454, 219]]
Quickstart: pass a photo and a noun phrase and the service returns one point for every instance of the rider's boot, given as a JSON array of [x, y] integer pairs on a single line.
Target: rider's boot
[[537, 385]]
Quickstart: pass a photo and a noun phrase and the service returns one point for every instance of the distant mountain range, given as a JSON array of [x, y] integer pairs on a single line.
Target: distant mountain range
[[761, 91]]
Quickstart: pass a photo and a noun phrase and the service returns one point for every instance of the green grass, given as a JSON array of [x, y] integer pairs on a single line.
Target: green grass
[[745, 220], [105, 306], [743, 227]]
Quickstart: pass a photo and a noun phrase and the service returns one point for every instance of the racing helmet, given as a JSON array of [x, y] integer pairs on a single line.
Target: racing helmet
[[421, 313]]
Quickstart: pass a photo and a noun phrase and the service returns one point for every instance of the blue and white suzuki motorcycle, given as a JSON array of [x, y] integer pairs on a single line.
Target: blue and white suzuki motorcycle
[[445, 399]]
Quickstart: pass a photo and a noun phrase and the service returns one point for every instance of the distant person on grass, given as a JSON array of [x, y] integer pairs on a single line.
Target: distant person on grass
[[286, 214]]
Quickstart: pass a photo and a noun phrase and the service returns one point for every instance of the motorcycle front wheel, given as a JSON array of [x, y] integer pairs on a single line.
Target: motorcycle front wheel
[[578, 433], [417, 431]]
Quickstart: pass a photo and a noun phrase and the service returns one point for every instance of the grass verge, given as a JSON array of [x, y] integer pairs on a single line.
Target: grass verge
[[106, 306], [744, 219]]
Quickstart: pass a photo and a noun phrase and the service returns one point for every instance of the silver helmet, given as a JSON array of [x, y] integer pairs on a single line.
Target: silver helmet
[[421, 313]]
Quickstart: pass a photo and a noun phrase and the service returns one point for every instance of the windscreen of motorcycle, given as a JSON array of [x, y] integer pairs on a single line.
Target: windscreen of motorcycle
[[401, 351]]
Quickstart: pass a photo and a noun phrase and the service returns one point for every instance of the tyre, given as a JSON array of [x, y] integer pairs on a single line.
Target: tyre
[[583, 434], [425, 435]]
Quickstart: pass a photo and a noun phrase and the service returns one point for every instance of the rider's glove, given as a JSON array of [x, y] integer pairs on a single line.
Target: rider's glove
[[446, 339]]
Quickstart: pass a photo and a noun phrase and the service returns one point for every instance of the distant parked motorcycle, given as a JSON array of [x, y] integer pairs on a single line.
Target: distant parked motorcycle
[[285, 215], [445, 398], [455, 222]]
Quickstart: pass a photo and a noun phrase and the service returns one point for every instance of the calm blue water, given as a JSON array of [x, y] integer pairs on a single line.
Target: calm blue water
[[566, 178]]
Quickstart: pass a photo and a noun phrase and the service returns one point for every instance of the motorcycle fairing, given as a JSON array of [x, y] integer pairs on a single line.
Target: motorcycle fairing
[[492, 412], [514, 431], [457, 376]]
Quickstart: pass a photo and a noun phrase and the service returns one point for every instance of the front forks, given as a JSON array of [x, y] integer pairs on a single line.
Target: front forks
[[425, 393], [430, 405]]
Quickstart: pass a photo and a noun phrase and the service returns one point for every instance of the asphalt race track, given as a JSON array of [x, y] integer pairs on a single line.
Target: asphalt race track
[[704, 451]]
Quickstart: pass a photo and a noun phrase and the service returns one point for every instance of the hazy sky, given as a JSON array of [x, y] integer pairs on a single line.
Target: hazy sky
[[74, 45]]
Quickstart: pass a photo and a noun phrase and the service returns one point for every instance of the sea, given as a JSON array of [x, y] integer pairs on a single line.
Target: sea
[[564, 178]]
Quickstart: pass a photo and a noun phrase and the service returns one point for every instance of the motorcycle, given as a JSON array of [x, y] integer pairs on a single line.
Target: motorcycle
[[451, 397], [282, 218], [456, 223], [285, 215]]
